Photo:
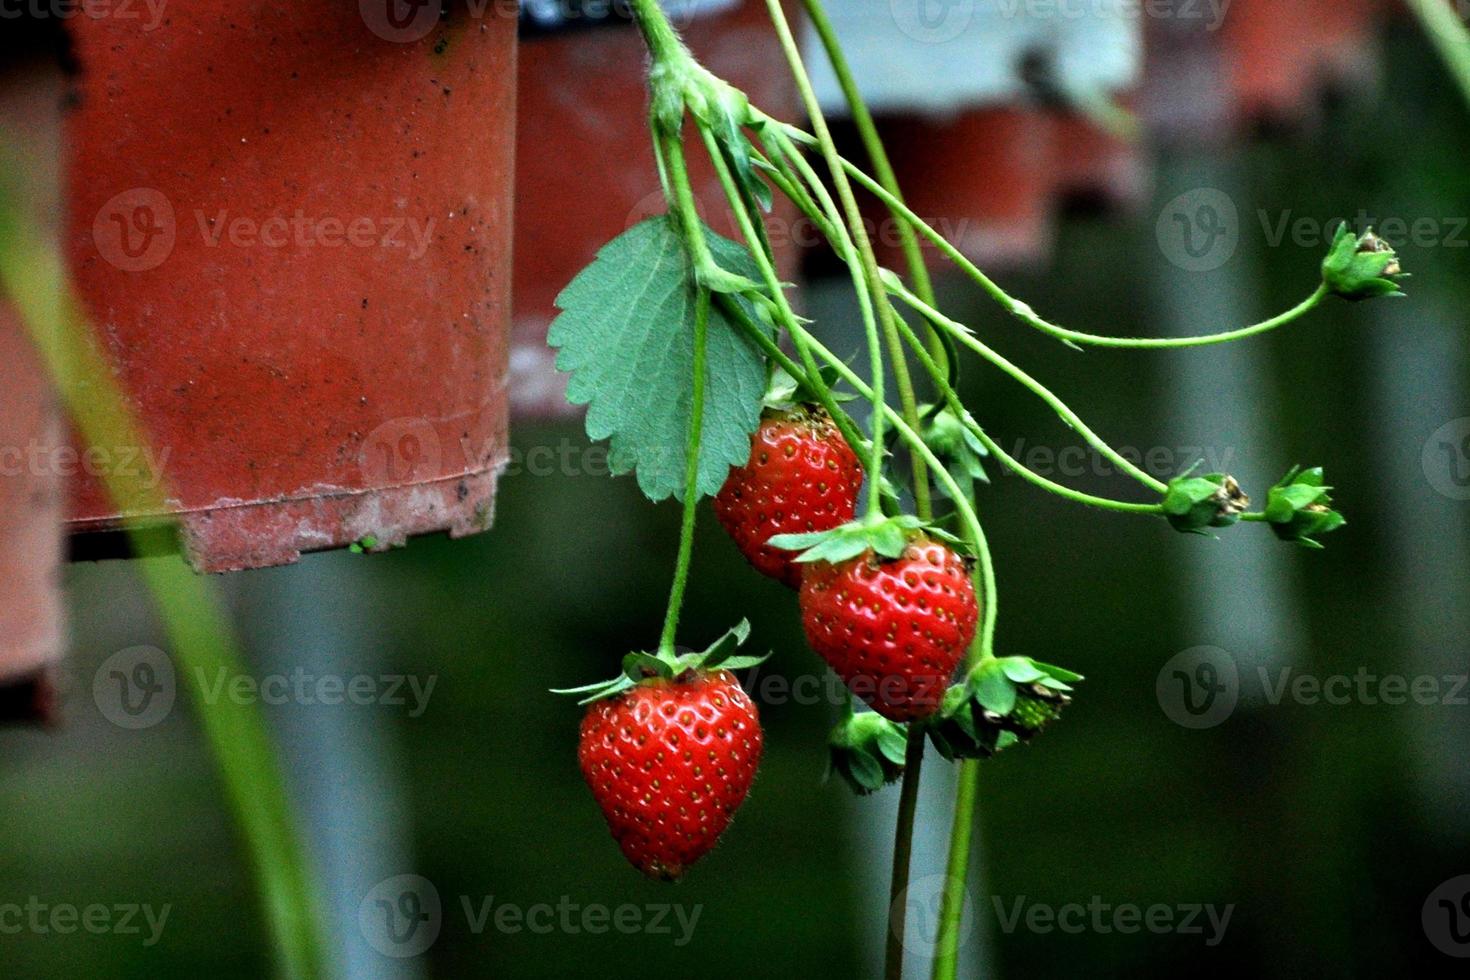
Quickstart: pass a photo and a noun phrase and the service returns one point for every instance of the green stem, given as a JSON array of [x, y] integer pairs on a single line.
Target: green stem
[[1015, 306], [766, 263], [1449, 36], [867, 131], [952, 399], [910, 436], [956, 871], [198, 630], [869, 263], [691, 477], [962, 334], [903, 847], [1199, 340]]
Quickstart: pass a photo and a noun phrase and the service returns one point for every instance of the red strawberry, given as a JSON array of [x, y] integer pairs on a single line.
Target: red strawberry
[[895, 629], [802, 476], [669, 761]]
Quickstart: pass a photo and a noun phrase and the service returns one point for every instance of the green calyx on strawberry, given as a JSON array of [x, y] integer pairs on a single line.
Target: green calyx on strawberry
[[887, 537], [669, 750], [1003, 702], [867, 751], [889, 604], [639, 667]]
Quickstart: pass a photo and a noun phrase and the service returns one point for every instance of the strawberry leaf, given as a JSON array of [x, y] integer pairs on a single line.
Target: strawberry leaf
[[626, 336]]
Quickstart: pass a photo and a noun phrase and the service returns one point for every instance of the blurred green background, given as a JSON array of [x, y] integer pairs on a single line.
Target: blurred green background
[[1324, 827]]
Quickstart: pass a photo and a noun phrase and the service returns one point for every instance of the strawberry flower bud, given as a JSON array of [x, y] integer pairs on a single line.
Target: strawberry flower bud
[[1299, 507], [867, 751], [957, 445], [1361, 267], [1004, 701], [1193, 503]]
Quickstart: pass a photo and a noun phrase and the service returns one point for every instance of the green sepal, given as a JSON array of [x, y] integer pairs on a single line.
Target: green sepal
[[784, 393], [867, 751], [956, 444], [1359, 267], [886, 537], [640, 667], [1193, 503], [1003, 702], [1299, 507]]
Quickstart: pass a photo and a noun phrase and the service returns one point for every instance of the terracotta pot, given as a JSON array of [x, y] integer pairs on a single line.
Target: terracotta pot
[[584, 166], [32, 437], [290, 224]]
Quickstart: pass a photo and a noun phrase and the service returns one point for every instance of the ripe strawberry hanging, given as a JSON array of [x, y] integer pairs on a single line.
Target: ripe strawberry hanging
[[802, 476], [669, 749], [890, 608]]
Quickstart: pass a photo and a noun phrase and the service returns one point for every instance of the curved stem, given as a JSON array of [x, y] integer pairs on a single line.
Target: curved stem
[[1020, 309], [867, 130], [956, 871], [903, 847], [962, 334], [874, 283], [952, 399], [1449, 36], [746, 223], [691, 476], [1199, 340], [201, 639]]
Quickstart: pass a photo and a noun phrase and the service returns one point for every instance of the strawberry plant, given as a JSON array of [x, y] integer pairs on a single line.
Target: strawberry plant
[[676, 339]]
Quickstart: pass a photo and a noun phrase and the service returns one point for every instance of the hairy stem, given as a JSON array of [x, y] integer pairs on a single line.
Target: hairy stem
[[962, 334], [691, 476], [859, 233], [878, 155]]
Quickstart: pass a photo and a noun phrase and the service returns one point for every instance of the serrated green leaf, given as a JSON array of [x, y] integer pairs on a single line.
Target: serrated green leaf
[[626, 336]]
